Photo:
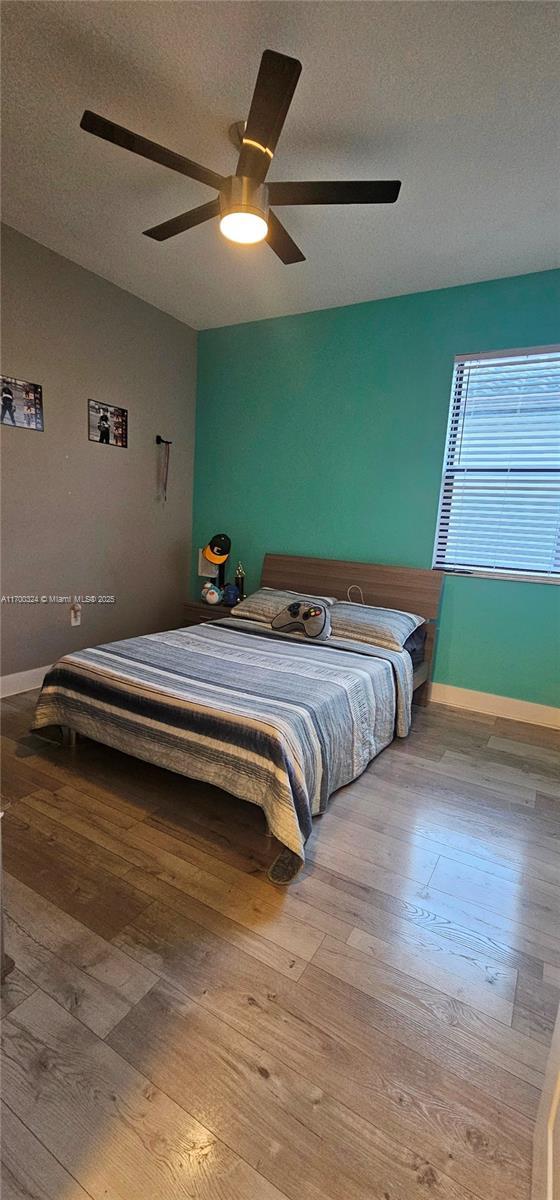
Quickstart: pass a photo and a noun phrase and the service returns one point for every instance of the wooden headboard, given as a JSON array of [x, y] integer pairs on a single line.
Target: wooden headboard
[[409, 588]]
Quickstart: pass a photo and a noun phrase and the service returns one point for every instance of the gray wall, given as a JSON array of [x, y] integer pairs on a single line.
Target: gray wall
[[78, 517]]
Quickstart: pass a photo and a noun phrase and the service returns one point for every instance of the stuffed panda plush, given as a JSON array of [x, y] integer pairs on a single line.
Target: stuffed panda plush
[[211, 594]]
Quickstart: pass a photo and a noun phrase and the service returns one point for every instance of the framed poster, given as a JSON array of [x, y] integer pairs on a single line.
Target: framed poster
[[107, 424], [22, 404]]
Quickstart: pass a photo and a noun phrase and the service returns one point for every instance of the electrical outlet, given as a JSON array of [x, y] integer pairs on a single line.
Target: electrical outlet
[[75, 614]]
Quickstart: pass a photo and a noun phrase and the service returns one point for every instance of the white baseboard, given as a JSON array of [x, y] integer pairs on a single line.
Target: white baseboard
[[22, 681], [495, 706]]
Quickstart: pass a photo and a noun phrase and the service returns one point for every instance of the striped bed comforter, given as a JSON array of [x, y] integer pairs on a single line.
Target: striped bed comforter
[[272, 718]]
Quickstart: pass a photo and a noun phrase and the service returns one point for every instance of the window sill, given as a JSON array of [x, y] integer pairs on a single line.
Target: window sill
[[516, 576]]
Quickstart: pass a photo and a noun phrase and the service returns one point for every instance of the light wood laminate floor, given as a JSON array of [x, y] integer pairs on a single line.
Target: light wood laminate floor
[[176, 1027]]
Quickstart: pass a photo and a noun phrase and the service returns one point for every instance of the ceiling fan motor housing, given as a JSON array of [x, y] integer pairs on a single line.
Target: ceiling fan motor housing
[[240, 194]]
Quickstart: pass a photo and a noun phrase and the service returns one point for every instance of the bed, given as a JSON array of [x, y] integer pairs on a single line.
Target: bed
[[274, 718]]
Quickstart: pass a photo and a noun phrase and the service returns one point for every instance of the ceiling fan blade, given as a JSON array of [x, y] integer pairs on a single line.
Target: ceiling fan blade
[[280, 241], [354, 191], [275, 86], [187, 220], [120, 136]]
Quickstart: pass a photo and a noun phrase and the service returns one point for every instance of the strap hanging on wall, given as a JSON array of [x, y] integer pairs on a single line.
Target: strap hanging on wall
[[164, 476]]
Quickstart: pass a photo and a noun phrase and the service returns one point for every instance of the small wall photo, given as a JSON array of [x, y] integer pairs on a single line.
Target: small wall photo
[[107, 424], [22, 404]]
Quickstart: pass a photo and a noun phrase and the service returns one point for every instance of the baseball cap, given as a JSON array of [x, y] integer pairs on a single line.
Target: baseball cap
[[218, 548]]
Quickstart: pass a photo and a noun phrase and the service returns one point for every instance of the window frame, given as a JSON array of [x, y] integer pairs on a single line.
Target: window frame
[[485, 572]]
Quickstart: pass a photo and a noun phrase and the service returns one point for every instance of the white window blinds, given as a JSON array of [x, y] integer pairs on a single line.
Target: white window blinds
[[500, 495]]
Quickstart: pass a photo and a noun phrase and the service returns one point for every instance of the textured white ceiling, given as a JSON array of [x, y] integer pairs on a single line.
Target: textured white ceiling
[[459, 100]]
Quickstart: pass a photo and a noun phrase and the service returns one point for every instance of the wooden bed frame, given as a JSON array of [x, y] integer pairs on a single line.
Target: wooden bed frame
[[408, 588]]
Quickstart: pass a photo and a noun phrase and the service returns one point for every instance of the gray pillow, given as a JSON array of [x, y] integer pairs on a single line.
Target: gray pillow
[[303, 616], [264, 604], [387, 627]]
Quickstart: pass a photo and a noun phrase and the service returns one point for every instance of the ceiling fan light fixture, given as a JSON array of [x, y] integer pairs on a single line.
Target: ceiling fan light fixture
[[244, 210], [245, 227]]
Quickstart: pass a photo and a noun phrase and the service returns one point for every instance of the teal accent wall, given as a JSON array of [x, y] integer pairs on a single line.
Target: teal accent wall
[[324, 434]]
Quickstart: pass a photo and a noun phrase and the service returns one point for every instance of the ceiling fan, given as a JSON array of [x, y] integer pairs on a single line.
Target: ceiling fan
[[244, 199]]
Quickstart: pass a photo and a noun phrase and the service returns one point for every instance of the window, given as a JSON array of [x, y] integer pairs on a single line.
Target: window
[[499, 507]]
